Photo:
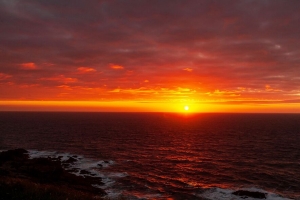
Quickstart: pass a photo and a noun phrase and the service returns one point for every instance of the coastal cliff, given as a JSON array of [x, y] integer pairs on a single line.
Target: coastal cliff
[[41, 178]]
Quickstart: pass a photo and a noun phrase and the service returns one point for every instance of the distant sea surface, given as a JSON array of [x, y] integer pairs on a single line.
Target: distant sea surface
[[168, 156]]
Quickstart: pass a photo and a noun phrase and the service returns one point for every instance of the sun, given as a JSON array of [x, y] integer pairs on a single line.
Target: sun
[[186, 108]]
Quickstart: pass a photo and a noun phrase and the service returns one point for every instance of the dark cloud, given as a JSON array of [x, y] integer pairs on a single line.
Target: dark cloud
[[227, 45]]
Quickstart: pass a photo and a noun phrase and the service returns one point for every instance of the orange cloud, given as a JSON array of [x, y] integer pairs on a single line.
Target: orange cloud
[[61, 78], [115, 90], [268, 88], [85, 69], [113, 66], [224, 93], [28, 66], [188, 69], [66, 87]]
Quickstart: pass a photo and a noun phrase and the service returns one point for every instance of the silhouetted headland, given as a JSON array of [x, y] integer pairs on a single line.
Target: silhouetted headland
[[42, 178]]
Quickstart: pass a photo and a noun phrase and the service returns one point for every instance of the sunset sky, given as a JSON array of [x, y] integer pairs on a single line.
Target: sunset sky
[[150, 55]]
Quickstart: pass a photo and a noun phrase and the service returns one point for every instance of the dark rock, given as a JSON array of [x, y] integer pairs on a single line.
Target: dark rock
[[16, 164], [3, 172], [17, 154], [245, 193], [99, 165], [43, 169], [106, 161], [84, 172], [93, 180], [65, 165], [70, 160], [73, 170]]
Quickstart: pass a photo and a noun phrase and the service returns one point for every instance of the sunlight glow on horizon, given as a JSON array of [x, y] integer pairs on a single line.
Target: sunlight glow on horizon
[[132, 106], [186, 108]]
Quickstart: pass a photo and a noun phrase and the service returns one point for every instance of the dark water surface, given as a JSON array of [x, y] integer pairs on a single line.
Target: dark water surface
[[160, 156]]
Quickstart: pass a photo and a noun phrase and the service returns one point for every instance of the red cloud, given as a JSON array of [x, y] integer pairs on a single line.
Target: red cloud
[[29, 66], [113, 66], [85, 69], [205, 46], [61, 78], [4, 76]]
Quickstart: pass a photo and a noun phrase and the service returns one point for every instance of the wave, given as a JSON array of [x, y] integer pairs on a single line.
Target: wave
[[222, 194], [89, 167], [86, 167]]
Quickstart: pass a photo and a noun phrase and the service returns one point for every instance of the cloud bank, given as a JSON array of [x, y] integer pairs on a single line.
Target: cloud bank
[[150, 50]]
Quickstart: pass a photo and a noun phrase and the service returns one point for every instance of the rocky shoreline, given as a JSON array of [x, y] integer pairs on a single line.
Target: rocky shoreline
[[48, 179], [42, 178]]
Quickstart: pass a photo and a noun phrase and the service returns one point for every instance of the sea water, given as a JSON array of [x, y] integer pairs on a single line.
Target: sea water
[[167, 156]]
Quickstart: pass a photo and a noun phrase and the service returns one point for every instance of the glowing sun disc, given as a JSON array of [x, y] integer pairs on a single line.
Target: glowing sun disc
[[186, 108]]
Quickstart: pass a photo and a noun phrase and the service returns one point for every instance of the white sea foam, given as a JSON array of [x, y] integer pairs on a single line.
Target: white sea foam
[[91, 166], [95, 169], [143, 196], [221, 194], [118, 174], [111, 193], [40, 154]]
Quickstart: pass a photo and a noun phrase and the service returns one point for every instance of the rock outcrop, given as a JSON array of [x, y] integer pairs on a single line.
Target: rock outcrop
[[15, 164], [246, 194]]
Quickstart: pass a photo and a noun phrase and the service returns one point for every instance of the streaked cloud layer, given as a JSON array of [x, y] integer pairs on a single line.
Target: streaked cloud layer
[[216, 51]]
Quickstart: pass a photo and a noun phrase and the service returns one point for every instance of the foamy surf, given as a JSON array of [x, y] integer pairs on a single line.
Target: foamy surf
[[208, 194], [86, 167], [222, 194]]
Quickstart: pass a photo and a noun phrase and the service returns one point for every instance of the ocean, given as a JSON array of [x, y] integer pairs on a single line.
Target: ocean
[[167, 155]]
